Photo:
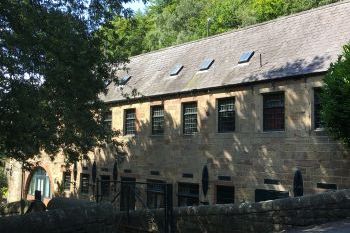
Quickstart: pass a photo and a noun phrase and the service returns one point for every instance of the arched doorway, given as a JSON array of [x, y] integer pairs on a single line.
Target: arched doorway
[[39, 180]]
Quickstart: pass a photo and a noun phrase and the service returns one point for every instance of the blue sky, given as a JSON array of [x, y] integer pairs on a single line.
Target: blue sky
[[136, 5]]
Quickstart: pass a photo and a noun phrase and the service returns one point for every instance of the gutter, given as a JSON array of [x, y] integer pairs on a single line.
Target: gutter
[[209, 89]]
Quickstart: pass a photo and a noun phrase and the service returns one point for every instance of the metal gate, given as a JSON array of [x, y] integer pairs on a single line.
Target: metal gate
[[128, 195]]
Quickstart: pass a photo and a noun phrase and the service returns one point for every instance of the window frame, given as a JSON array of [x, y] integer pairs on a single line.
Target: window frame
[[283, 113], [108, 119], [218, 123], [224, 186], [186, 115], [317, 107], [154, 194], [66, 187], [153, 108], [185, 196], [126, 120], [83, 189]]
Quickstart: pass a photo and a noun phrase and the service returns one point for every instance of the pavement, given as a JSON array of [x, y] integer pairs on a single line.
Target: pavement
[[332, 227]]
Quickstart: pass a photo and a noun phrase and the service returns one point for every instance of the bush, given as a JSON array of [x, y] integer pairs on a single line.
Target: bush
[[335, 98]]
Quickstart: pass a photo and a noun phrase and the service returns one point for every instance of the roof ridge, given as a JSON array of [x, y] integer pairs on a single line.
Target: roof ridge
[[341, 2]]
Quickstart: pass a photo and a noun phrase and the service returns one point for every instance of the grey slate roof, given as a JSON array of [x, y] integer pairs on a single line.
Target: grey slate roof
[[299, 44]]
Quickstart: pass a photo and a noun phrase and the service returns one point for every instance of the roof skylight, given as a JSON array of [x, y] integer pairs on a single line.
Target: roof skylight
[[245, 57], [176, 69], [124, 79], [206, 64]]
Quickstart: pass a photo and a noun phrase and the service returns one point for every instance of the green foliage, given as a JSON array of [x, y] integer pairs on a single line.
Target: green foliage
[[268, 9], [53, 67], [170, 22], [336, 98]]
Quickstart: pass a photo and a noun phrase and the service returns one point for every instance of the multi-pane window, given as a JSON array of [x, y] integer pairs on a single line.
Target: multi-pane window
[[317, 109], [155, 194], [127, 193], [225, 194], [105, 185], [84, 182], [226, 115], [130, 121], [189, 118], [108, 120], [66, 180], [188, 194], [157, 120], [273, 111]]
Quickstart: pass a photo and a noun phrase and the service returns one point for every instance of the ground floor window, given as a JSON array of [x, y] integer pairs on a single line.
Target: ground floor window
[[105, 185], [84, 182], [40, 181], [265, 195], [66, 180], [127, 193], [155, 194], [188, 194], [225, 194]]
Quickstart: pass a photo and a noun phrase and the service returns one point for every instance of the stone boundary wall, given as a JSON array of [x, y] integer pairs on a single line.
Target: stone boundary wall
[[262, 217], [93, 219], [14, 208]]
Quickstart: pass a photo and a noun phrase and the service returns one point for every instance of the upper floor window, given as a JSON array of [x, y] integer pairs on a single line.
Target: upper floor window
[[189, 118], [273, 111], [157, 120], [226, 115], [108, 120], [130, 121], [317, 109]]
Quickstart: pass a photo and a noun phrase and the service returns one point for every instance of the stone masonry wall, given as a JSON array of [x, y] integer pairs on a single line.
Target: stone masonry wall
[[262, 217], [94, 219], [247, 156], [67, 215]]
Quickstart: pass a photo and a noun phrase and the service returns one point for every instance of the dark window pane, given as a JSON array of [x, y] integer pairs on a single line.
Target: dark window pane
[[66, 180], [130, 121], [274, 111], [188, 194], [157, 120], [155, 194], [226, 114], [108, 120], [84, 182], [265, 195], [225, 194], [127, 193], [105, 185], [317, 109], [190, 118]]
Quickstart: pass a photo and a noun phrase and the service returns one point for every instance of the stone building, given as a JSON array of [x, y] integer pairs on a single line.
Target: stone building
[[242, 106]]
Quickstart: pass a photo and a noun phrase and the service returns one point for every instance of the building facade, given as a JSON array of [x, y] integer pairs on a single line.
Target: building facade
[[241, 107]]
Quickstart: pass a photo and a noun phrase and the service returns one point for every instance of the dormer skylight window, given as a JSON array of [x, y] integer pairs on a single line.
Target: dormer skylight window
[[124, 79], [176, 69], [206, 64], [245, 57]]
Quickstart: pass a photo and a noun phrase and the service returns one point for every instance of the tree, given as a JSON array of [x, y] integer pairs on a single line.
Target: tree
[[53, 68], [335, 98]]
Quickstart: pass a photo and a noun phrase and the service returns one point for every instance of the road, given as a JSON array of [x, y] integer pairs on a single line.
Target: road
[[333, 227]]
